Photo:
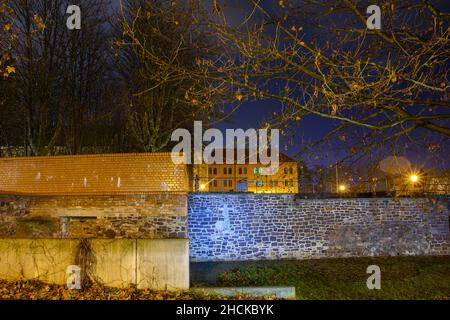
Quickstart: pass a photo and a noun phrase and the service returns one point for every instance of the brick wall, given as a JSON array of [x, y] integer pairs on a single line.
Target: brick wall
[[248, 227], [149, 216]]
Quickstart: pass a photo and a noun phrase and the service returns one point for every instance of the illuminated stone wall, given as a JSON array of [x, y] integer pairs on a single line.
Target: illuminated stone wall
[[136, 240], [131, 207], [225, 227], [240, 226], [153, 216]]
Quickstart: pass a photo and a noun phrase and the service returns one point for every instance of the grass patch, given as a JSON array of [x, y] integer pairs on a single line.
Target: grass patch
[[401, 277]]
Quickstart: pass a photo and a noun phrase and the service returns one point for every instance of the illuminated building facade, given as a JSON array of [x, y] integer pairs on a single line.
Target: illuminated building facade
[[245, 177]]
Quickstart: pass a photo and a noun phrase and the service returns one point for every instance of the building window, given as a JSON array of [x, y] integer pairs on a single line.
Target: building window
[[255, 183], [240, 170], [230, 170], [215, 183], [286, 183], [258, 170], [261, 183], [291, 171], [230, 183], [271, 183], [245, 170], [224, 183], [292, 183], [276, 183], [224, 170], [215, 170], [285, 170], [210, 170]]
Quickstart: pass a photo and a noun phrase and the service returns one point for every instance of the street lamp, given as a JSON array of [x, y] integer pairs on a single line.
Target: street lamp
[[342, 188], [414, 178], [202, 187]]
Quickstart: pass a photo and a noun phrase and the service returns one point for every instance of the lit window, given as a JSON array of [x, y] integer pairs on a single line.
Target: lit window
[[260, 170], [261, 183], [255, 170]]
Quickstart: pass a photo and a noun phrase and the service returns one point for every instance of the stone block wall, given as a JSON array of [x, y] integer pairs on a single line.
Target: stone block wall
[[226, 227], [223, 227], [131, 207], [151, 216]]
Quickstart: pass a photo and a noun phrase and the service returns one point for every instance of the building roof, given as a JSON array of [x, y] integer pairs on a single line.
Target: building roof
[[282, 157], [104, 174]]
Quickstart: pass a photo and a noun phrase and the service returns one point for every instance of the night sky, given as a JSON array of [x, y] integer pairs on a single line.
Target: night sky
[[252, 114]]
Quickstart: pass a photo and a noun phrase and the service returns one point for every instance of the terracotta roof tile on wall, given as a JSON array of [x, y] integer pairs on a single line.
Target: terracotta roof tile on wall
[[93, 174]]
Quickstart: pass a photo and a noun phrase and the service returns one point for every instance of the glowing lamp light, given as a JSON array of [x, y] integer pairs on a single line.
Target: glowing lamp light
[[342, 188], [202, 187], [414, 178]]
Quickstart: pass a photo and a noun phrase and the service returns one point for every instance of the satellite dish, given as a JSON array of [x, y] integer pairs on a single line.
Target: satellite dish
[[395, 165]]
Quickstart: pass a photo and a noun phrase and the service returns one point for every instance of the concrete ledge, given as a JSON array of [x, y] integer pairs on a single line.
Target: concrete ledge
[[279, 292], [157, 264]]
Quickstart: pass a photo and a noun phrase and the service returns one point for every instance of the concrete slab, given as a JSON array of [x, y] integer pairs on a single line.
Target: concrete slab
[[278, 292], [163, 264], [159, 264], [115, 261]]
